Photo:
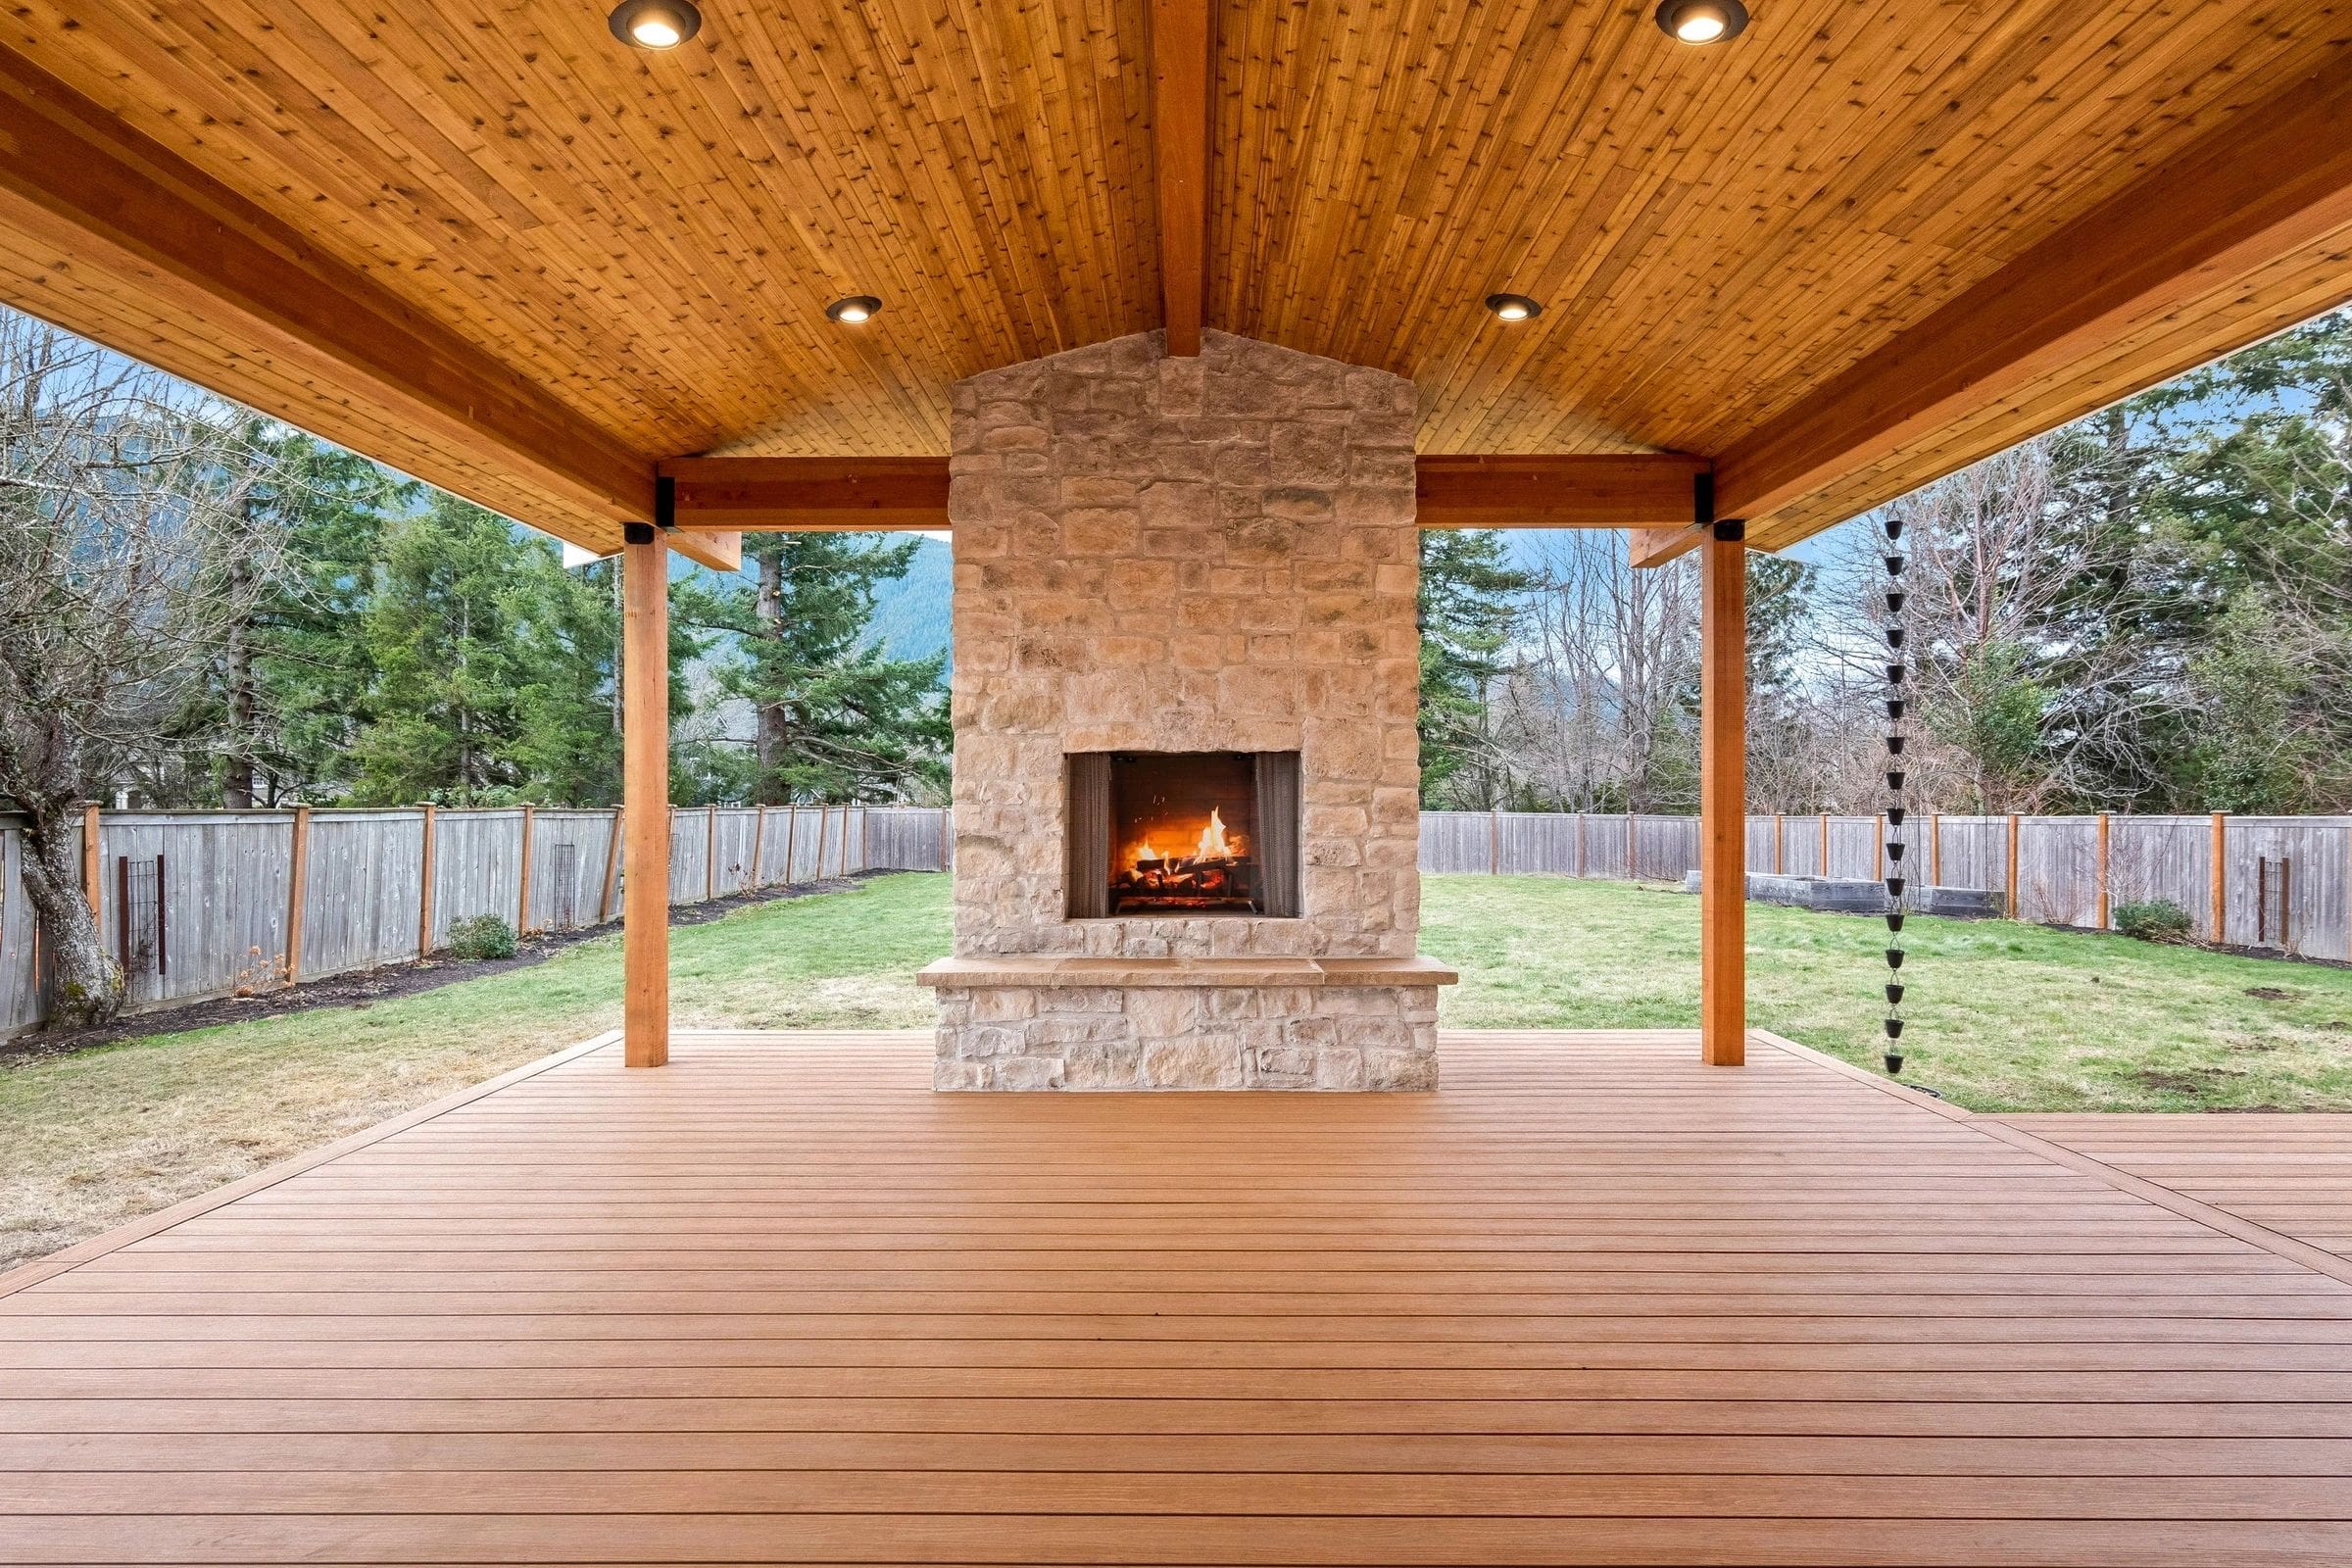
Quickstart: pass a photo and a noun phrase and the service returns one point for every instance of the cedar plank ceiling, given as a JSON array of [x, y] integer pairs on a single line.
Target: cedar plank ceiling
[[652, 238]]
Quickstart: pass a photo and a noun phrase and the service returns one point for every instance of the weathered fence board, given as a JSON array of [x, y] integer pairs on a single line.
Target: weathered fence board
[[225, 890], [226, 896]]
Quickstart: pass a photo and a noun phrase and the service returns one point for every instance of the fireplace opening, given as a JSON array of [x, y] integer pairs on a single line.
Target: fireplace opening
[[1183, 834]]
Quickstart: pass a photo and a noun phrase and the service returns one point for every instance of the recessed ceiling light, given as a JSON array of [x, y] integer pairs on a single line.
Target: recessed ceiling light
[[857, 308], [1701, 21], [654, 24], [1512, 306]]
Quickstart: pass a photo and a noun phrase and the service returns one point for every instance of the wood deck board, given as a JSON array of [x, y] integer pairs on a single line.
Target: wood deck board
[[1592, 1302]]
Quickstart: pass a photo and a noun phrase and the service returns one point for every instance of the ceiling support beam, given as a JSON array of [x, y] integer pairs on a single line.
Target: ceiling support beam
[[809, 494], [816, 495], [110, 203], [1182, 42], [2272, 180], [1602, 490]]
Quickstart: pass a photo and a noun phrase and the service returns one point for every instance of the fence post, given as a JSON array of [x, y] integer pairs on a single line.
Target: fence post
[[2013, 900], [2220, 876], [1631, 874], [792, 829], [1935, 850], [1879, 849], [298, 877], [424, 890], [865, 839], [709, 853], [604, 908], [759, 840], [1580, 846], [90, 863], [1780, 826], [947, 824], [522, 896], [1495, 842], [1825, 845], [2102, 872]]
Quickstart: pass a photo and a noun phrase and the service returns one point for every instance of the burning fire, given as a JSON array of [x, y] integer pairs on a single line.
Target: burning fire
[[1214, 844]]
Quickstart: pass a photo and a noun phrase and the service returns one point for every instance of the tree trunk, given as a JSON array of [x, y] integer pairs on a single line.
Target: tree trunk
[[88, 982], [767, 612], [237, 779]]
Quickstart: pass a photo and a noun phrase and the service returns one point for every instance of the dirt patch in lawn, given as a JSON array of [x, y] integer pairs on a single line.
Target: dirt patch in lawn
[[360, 988]]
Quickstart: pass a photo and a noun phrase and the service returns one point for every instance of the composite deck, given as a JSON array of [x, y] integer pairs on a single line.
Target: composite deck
[[1590, 1302]]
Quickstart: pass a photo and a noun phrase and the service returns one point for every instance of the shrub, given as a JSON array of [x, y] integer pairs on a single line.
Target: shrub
[[486, 936], [2153, 921]]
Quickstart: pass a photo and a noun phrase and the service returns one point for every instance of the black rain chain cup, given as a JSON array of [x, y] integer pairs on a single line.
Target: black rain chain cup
[[1898, 813]]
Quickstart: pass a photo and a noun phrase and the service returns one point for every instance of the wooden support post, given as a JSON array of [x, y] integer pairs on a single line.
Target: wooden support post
[[1723, 797], [89, 864], [865, 839], [1935, 850], [1580, 844], [2101, 921], [645, 792], [1495, 842], [522, 895], [1629, 875], [424, 888], [759, 841], [709, 853], [1780, 824], [2221, 877], [298, 885], [1825, 845], [604, 906], [2014, 904], [791, 832], [1879, 865]]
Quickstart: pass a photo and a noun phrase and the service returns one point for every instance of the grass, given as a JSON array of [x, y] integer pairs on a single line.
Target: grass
[[2004, 1017]]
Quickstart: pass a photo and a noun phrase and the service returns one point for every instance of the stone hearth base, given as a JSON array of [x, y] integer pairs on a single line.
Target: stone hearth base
[[1128, 1024]]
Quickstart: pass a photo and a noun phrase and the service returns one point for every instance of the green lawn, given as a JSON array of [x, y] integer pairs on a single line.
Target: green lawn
[[2004, 1017]]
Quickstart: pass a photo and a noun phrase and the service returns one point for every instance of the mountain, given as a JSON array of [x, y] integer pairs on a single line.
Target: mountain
[[910, 615]]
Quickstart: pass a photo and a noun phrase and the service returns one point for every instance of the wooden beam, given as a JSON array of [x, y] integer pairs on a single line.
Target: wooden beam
[[1565, 490], [644, 796], [108, 201], [720, 550], [1183, 43], [1654, 547], [815, 495], [2272, 179], [1723, 801], [1606, 490]]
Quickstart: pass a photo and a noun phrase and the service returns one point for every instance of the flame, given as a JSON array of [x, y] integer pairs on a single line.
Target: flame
[[1146, 853], [1213, 839]]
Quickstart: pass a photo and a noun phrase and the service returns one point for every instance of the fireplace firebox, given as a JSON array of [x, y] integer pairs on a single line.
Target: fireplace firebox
[[1181, 834]]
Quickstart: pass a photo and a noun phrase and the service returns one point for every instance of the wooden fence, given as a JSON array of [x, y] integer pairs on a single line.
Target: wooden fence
[[202, 903], [2284, 880], [205, 903]]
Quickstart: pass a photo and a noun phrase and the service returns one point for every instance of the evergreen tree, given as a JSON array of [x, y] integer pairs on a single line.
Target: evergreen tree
[[443, 637], [1468, 611], [292, 690], [835, 717], [567, 747]]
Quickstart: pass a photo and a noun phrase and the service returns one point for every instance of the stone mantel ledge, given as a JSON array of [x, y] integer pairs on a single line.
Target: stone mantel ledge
[[1047, 970]]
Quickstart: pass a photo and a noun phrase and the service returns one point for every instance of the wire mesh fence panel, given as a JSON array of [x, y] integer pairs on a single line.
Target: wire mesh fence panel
[[571, 853]]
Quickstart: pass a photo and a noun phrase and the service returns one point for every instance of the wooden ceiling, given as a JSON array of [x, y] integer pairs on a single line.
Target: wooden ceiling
[[629, 254]]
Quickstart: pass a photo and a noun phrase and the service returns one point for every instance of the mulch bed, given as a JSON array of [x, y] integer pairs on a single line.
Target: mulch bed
[[359, 987]]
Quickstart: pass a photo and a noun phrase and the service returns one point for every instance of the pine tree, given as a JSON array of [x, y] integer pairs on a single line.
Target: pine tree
[[835, 717], [1468, 612], [443, 636]]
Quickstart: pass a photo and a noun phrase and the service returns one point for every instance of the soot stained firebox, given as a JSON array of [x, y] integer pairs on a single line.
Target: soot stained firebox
[[1183, 833]]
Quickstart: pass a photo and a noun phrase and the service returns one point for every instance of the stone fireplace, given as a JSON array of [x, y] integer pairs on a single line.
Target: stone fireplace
[[1187, 768]]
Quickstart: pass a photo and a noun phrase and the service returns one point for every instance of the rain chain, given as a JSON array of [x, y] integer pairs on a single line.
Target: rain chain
[[1897, 812]]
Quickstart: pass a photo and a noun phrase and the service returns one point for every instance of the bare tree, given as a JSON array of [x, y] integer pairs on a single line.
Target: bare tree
[[1597, 712], [124, 549]]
